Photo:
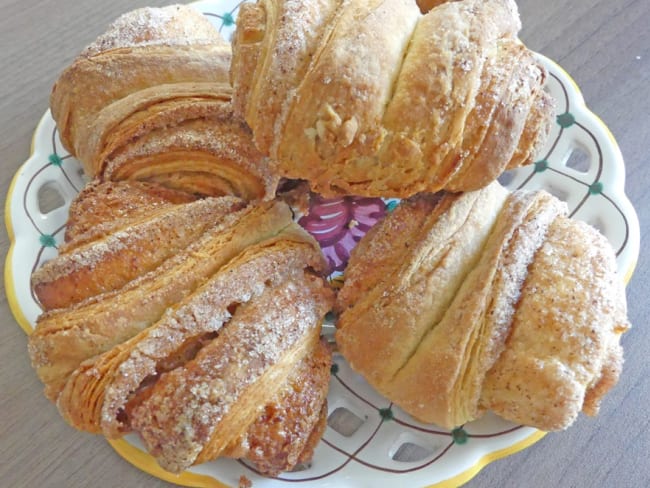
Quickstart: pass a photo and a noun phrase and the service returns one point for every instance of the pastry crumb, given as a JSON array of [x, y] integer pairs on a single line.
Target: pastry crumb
[[244, 482]]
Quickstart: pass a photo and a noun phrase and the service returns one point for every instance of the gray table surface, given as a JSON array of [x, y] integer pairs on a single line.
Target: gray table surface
[[603, 44]]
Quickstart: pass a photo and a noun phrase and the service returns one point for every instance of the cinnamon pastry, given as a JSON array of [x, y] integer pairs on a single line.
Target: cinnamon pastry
[[507, 306], [171, 294], [178, 310], [63, 338], [244, 291], [101, 207], [150, 100], [444, 100], [110, 261]]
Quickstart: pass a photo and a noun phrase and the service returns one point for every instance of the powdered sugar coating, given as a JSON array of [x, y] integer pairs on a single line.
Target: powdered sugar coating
[[188, 406], [172, 25], [294, 29], [565, 333], [531, 332], [205, 311], [101, 207], [65, 337], [112, 260], [359, 109]]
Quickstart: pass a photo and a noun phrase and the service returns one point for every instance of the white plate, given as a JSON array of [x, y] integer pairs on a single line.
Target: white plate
[[581, 164]]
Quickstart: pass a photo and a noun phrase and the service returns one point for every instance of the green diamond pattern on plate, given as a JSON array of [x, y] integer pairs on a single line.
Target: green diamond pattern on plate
[[459, 435], [596, 188], [386, 414], [55, 159], [47, 240], [227, 19], [541, 166], [334, 368], [566, 120]]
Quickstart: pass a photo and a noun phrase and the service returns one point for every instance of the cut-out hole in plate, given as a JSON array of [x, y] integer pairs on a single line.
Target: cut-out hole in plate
[[50, 197], [506, 178], [410, 452], [344, 421], [579, 160]]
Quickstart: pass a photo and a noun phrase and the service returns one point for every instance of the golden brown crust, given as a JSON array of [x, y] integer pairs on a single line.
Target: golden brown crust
[[386, 246], [537, 127], [366, 110], [138, 50], [414, 294], [444, 65], [201, 312], [336, 114], [501, 135], [200, 330], [111, 260], [159, 293], [531, 331], [101, 207], [64, 338], [195, 411], [260, 307], [251, 22], [272, 67], [145, 110], [426, 5], [575, 301], [441, 382], [209, 155], [608, 377], [288, 428], [176, 25], [150, 99]]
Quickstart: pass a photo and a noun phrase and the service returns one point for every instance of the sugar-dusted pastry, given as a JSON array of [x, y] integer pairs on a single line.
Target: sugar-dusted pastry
[[185, 304], [110, 261], [64, 337], [413, 283], [572, 298], [234, 310], [442, 100], [150, 100], [489, 301], [103, 206], [194, 412]]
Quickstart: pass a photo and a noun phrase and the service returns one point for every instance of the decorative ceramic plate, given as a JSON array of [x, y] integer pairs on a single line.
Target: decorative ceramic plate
[[368, 442]]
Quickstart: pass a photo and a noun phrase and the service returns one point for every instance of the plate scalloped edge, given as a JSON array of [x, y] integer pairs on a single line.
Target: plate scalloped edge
[[603, 178]]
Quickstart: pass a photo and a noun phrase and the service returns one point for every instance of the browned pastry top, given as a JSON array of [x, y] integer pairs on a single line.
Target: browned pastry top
[[134, 54], [102, 206], [518, 310], [238, 287], [444, 100], [175, 25], [150, 100]]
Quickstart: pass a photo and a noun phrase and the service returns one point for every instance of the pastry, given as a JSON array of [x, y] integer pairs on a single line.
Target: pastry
[[109, 261], [103, 206], [185, 303], [240, 286], [177, 309], [442, 100], [150, 100], [485, 301]]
